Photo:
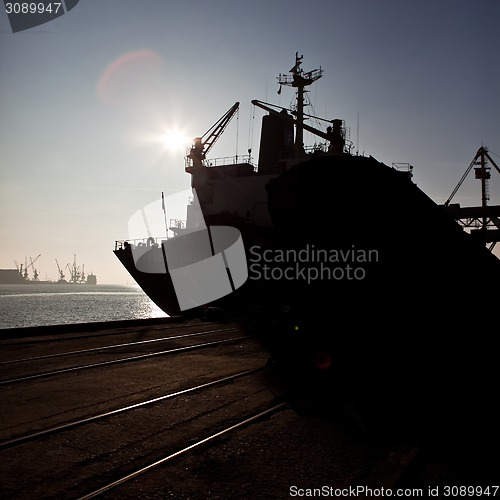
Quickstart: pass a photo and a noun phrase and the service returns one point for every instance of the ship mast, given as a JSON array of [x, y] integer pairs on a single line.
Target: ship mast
[[300, 80]]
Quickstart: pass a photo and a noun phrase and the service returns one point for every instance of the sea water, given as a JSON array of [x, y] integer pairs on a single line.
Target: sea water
[[55, 304]]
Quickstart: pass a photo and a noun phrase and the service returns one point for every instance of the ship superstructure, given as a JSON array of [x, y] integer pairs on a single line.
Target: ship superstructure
[[234, 192]]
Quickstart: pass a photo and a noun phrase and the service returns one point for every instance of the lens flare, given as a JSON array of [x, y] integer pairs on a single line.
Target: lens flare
[[131, 74], [175, 140], [323, 360]]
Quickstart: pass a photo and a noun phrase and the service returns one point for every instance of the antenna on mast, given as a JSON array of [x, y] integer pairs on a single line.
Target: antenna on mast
[[357, 136], [299, 79]]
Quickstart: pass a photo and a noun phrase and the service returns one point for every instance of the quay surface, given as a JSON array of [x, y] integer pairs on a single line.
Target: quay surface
[[300, 446]]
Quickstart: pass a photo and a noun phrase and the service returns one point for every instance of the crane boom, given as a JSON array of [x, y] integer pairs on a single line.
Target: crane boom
[[34, 260], [202, 145], [290, 118], [35, 272], [61, 273], [335, 134]]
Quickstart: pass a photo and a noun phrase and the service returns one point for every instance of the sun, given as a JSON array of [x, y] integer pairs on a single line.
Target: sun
[[175, 140]]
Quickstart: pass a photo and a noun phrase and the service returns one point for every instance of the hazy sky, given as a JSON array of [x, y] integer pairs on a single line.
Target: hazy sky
[[86, 99]]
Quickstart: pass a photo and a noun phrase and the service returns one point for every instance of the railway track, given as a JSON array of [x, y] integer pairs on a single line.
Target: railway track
[[14, 348], [73, 458], [197, 423], [83, 421], [117, 346], [24, 368], [129, 477]]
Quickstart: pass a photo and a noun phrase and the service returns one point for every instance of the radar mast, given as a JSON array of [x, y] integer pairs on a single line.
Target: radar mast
[[300, 80]]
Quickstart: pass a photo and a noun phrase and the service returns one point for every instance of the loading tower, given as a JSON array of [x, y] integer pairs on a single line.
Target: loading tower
[[483, 221]]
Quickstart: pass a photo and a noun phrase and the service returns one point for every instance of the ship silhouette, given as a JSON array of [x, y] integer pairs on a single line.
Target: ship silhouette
[[365, 292], [323, 197]]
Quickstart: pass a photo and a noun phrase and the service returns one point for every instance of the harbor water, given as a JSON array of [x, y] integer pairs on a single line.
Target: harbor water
[[55, 304]]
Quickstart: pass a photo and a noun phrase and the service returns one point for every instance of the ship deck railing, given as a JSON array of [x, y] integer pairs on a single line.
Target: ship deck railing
[[320, 147], [225, 161], [229, 160], [404, 168], [150, 241]]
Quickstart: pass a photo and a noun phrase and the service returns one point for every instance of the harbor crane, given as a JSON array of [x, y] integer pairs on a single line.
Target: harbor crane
[[77, 274], [35, 272], [484, 221], [24, 271], [202, 145], [61, 273], [19, 268]]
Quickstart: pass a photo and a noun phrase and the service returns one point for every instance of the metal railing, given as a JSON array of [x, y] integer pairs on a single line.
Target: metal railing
[[140, 242], [224, 161]]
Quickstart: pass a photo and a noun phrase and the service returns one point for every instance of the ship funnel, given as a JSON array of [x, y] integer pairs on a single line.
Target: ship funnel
[[276, 142], [336, 135]]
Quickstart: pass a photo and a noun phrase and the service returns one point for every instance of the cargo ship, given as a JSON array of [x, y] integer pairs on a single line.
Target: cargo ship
[[311, 225], [370, 298]]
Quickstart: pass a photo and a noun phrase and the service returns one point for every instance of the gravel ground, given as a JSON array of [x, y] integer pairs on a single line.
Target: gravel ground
[[316, 444]]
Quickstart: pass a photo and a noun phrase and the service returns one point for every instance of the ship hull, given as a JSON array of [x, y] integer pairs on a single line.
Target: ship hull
[[329, 246], [157, 286]]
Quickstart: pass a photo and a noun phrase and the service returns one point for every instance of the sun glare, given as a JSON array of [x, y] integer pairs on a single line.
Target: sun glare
[[175, 140]]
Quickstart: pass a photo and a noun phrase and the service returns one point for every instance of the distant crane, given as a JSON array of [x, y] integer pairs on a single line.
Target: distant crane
[[24, 271], [61, 273], [19, 268], [77, 275], [72, 275], [35, 272]]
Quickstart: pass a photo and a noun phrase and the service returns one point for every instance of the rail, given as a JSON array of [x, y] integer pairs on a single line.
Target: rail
[[277, 406], [404, 168], [122, 360], [141, 242], [77, 423], [224, 161]]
